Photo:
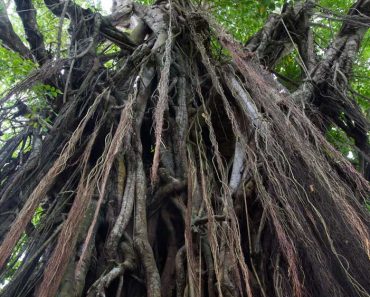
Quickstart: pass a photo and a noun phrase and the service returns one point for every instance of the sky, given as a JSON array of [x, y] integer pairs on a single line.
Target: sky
[[105, 4]]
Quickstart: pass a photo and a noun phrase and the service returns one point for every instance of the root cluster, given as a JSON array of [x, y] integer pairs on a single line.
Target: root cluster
[[179, 173]]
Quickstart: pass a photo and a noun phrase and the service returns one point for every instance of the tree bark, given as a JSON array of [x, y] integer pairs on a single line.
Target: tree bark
[[170, 171]]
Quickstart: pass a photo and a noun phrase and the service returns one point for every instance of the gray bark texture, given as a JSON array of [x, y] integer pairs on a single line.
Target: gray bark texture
[[168, 169]]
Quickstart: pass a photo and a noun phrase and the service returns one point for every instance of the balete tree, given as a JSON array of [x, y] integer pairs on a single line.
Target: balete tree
[[147, 152]]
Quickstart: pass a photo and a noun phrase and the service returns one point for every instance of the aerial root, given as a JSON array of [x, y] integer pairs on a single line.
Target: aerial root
[[163, 87], [130, 262], [40, 191]]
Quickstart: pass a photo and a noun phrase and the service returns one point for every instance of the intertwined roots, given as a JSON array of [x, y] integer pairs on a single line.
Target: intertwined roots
[[190, 176]]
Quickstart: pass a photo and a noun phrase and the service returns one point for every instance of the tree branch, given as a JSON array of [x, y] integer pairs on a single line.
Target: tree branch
[[275, 40], [75, 13], [328, 86], [9, 38], [27, 13]]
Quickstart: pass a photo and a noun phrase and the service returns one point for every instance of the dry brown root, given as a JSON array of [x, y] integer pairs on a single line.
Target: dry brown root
[[188, 175]]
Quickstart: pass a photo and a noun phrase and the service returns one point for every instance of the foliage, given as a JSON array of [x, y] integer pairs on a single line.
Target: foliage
[[15, 260], [13, 68]]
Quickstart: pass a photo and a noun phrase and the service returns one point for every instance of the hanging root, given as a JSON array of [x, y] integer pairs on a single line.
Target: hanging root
[[162, 102], [40, 191], [235, 192]]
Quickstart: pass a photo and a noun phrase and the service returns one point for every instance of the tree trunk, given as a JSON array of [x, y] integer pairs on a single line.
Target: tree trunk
[[170, 171]]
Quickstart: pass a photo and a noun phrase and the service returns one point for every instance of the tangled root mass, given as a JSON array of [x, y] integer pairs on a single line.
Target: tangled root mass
[[175, 172]]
